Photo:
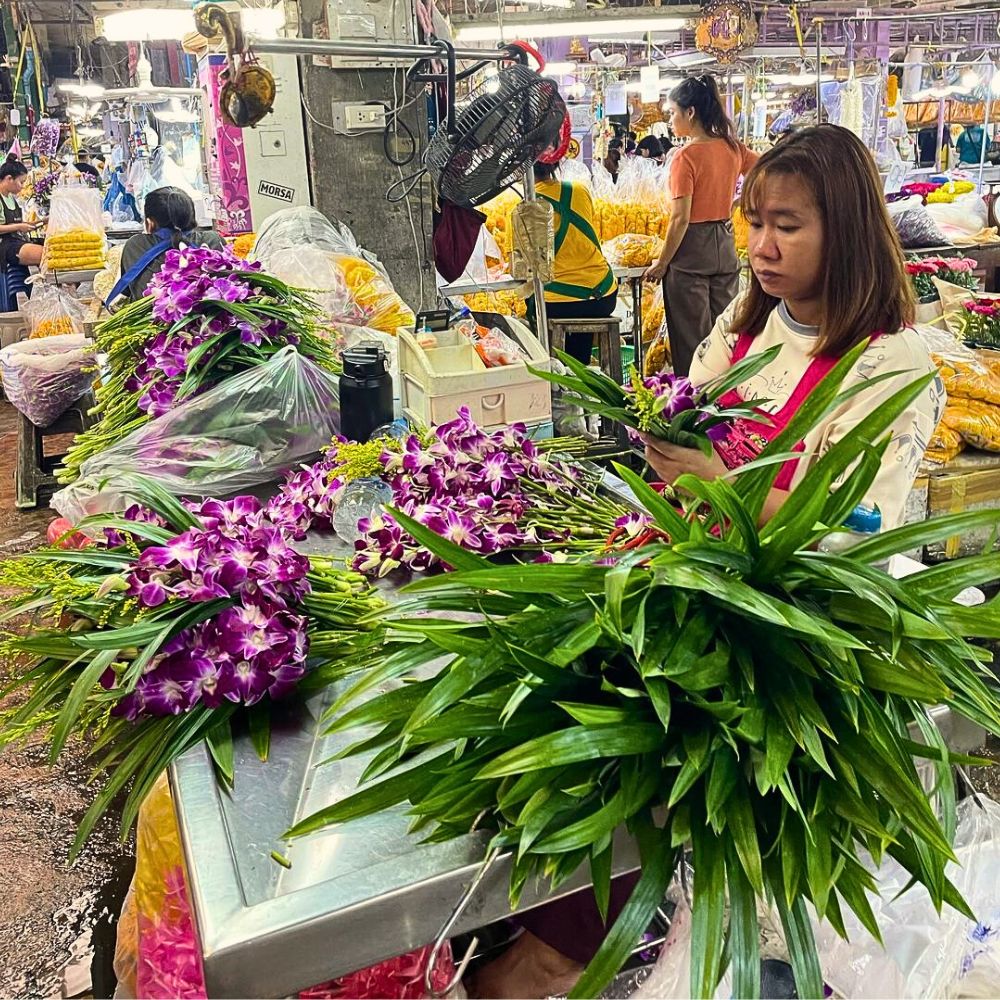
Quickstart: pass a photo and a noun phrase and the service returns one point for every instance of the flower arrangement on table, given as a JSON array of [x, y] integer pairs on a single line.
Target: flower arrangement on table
[[208, 315], [40, 190], [981, 322], [489, 492], [737, 691], [156, 635], [954, 270]]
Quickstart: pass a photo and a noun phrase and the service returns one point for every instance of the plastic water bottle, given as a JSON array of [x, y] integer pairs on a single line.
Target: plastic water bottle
[[362, 498], [859, 526]]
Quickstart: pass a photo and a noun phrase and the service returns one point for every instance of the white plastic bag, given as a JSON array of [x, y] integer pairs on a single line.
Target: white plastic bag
[[250, 429], [51, 310], [927, 955], [43, 378]]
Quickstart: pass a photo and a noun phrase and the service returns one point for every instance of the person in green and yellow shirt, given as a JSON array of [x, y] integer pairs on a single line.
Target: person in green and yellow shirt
[[583, 285]]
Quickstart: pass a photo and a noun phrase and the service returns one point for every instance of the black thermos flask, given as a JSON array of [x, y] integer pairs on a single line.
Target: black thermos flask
[[365, 391]]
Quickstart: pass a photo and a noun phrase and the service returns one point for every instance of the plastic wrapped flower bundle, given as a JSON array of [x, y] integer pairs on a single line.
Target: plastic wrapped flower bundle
[[663, 405], [155, 634], [208, 316], [45, 137]]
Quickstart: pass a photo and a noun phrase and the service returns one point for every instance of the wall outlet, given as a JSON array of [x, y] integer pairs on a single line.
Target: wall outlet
[[352, 117]]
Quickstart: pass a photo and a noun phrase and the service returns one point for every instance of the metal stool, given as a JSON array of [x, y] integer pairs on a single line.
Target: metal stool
[[35, 470], [608, 339]]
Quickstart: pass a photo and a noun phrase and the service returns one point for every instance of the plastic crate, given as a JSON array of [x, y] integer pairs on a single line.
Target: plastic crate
[[436, 381]]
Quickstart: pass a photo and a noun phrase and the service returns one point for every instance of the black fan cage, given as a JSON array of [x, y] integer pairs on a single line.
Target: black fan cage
[[506, 124]]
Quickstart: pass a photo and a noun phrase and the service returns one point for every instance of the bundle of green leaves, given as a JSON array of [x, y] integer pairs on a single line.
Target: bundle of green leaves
[[734, 690]]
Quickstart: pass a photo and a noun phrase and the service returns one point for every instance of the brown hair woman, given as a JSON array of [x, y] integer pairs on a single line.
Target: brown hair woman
[[827, 272]]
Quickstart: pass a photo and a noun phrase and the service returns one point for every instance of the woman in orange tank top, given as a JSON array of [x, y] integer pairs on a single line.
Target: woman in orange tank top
[[698, 265]]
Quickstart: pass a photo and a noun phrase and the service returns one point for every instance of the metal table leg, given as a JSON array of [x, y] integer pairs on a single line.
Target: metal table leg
[[636, 284]]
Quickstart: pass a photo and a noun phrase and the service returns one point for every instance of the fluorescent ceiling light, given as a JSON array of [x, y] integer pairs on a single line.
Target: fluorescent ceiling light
[[566, 4], [83, 89], [158, 24], [559, 68], [689, 59], [163, 24], [565, 29]]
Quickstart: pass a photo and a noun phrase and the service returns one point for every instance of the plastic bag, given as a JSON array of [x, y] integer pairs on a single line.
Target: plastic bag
[[157, 953], [74, 238], [313, 270], [944, 445], [118, 202], [653, 317], [245, 431], [372, 293], [977, 422], [44, 378], [575, 170], [632, 250], [399, 978], [52, 311], [292, 229], [917, 228], [965, 375], [927, 955], [966, 215]]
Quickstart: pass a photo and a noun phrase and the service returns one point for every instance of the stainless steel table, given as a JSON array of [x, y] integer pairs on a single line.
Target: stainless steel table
[[354, 895]]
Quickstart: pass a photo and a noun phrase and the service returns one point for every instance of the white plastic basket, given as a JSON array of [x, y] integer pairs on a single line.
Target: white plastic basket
[[436, 381]]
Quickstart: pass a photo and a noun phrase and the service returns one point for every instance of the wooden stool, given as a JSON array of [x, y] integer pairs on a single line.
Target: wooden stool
[[35, 470], [608, 339]]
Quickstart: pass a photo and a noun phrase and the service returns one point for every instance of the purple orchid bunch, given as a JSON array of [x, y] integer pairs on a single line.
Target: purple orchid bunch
[[464, 483], [664, 406], [254, 645], [41, 189], [206, 299]]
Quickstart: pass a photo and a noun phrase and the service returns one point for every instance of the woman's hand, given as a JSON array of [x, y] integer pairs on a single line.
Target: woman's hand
[[670, 461], [655, 272], [24, 227]]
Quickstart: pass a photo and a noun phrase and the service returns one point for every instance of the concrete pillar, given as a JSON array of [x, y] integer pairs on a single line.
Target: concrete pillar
[[350, 175]]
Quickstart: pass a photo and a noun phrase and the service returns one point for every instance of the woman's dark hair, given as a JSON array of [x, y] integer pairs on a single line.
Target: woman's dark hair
[[171, 208], [702, 94], [651, 143], [545, 171], [865, 286], [12, 168]]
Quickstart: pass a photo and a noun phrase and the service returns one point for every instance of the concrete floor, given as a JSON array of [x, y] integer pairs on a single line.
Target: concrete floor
[[57, 927]]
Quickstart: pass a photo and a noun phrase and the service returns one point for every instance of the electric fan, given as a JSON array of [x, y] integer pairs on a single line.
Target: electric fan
[[507, 123]]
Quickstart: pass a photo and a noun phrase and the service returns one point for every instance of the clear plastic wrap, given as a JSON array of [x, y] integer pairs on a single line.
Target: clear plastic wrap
[[632, 250], [575, 170], [965, 375], [927, 954], [653, 317], [917, 228], [51, 311], [292, 229], [44, 378], [312, 269], [250, 429], [977, 422], [961, 218], [74, 237]]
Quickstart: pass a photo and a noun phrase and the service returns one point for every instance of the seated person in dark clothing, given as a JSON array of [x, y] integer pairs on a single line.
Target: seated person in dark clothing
[[84, 166], [170, 222]]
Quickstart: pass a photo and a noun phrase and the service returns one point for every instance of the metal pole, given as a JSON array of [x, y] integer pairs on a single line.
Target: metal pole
[[939, 166], [541, 318], [819, 69], [324, 47], [987, 101]]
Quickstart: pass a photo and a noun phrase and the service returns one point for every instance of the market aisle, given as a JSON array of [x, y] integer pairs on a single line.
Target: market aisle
[[53, 916]]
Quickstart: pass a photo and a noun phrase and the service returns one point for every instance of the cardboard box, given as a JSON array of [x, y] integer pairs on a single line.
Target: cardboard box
[[971, 481]]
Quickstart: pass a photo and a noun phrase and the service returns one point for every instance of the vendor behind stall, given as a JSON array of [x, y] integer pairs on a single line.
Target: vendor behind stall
[[14, 246], [583, 284], [170, 222]]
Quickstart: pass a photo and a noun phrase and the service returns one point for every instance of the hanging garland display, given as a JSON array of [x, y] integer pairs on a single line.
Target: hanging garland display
[[725, 29]]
